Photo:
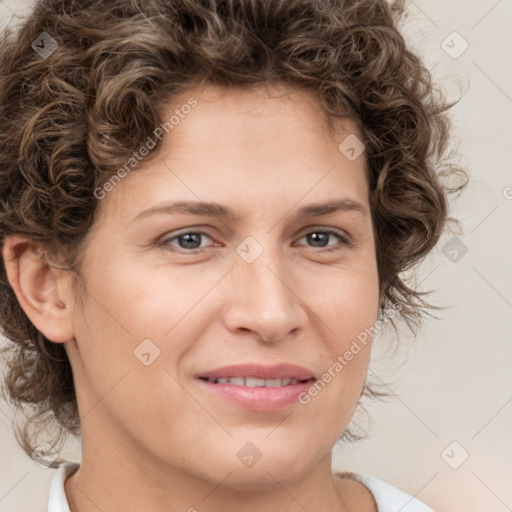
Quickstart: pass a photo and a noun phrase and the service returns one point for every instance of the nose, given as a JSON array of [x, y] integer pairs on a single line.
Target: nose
[[265, 298]]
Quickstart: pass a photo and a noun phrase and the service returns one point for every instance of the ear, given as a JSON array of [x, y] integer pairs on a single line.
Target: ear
[[43, 292]]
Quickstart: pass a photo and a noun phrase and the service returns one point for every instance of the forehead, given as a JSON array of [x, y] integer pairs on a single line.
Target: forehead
[[286, 101], [244, 144]]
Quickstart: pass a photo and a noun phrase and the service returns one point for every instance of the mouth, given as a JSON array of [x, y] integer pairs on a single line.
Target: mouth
[[253, 373], [252, 382], [257, 387]]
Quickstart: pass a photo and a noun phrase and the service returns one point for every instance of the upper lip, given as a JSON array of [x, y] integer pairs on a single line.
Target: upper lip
[[259, 371]]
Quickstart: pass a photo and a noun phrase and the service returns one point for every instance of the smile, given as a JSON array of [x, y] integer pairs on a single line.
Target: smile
[[252, 382]]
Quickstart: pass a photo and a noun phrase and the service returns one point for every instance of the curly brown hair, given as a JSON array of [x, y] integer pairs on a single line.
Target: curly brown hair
[[70, 119]]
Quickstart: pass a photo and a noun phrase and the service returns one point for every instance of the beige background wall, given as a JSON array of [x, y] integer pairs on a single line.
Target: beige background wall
[[454, 393]]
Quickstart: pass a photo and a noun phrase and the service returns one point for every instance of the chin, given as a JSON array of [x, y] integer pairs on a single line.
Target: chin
[[268, 468]]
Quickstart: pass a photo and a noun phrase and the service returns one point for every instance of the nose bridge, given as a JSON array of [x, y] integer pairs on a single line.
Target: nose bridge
[[264, 300], [264, 273]]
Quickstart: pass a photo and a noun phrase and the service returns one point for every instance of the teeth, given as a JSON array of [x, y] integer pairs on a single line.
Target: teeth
[[239, 381], [273, 383], [252, 382]]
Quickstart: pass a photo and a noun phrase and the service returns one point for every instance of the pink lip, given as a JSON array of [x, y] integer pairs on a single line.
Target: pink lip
[[258, 371], [258, 398]]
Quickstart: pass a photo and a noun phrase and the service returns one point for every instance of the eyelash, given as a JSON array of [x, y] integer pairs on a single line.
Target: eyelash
[[344, 240]]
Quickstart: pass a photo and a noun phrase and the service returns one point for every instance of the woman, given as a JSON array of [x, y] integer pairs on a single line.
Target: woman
[[207, 207]]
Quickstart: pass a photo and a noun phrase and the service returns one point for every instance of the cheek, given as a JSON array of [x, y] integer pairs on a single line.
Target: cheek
[[138, 302], [348, 312], [348, 306], [120, 339], [347, 299], [128, 313]]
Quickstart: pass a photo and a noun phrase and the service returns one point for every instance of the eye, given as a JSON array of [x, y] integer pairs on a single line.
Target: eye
[[321, 237], [188, 240]]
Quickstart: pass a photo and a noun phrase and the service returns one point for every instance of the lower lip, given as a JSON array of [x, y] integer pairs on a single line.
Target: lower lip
[[259, 398]]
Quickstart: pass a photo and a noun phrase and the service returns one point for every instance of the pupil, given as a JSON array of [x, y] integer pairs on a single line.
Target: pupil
[[189, 238], [315, 237]]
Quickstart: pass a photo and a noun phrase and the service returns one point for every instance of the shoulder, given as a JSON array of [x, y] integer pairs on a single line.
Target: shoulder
[[57, 501], [387, 497]]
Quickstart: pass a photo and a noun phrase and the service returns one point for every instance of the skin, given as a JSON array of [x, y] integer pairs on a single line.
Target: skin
[[153, 439]]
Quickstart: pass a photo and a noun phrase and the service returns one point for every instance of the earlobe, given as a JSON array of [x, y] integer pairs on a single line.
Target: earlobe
[[39, 288]]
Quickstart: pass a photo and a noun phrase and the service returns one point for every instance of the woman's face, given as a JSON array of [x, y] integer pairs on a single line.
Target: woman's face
[[175, 297]]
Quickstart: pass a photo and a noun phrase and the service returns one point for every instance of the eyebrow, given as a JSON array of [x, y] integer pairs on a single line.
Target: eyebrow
[[217, 210]]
